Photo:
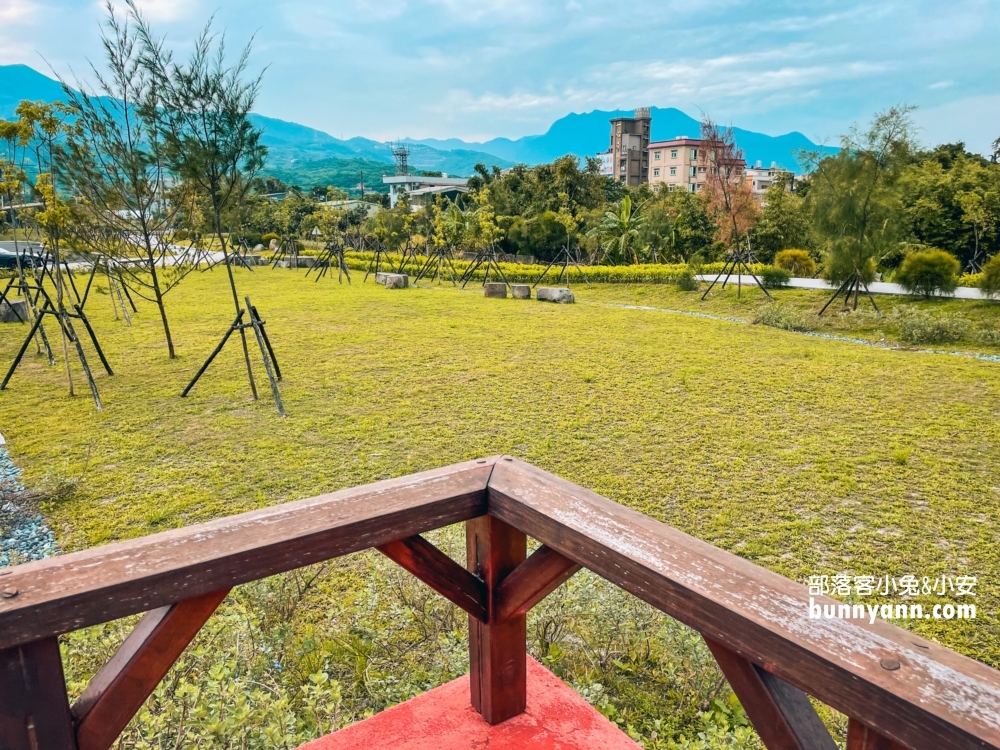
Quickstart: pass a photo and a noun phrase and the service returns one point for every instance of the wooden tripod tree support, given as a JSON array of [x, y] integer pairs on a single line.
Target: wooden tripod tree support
[[755, 622], [853, 285], [737, 262], [266, 352], [64, 318], [486, 255], [437, 261], [375, 264], [333, 253], [564, 258]]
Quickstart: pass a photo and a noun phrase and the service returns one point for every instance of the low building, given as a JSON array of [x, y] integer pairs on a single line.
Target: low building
[[681, 163], [422, 188], [761, 178]]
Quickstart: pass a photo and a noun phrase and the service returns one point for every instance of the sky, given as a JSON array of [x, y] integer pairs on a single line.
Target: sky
[[476, 69]]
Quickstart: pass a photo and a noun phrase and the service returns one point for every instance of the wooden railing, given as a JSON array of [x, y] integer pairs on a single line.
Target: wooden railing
[[899, 690]]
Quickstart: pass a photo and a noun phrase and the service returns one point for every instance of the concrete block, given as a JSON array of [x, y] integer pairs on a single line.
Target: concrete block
[[305, 261], [557, 294], [11, 309], [396, 281], [495, 289], [380, 277], [520, 291]]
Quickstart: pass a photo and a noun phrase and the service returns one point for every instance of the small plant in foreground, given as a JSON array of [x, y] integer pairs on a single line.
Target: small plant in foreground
[[779, 316], [773, 277], [797, 262], [929, 272], [924, 328], [686, 280]]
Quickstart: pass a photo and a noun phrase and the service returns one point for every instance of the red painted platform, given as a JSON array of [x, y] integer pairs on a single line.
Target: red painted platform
[[444, 719]]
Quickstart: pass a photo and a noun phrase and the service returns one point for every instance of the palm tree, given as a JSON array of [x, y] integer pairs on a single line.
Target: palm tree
[[620, 228]]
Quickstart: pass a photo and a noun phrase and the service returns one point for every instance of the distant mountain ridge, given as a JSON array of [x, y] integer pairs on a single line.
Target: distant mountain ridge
[[302, 155], [589, 133]]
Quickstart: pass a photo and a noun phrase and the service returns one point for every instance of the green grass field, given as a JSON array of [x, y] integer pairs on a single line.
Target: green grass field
[[804, 455]]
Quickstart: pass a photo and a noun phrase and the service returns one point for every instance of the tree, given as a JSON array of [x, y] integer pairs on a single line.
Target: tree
[[783, 222], [45, 127], [116, 166], [620, 229], [15, 136], [730, 198], [854, 200], [208, 140], [950, 201]]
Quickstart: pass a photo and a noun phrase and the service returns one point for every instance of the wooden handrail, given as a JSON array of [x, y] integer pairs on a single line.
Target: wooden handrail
[[756, 622], [936, 699], [70, 592]]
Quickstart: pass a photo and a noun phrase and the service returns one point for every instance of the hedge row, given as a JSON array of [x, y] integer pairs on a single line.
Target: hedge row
[[648, 273]]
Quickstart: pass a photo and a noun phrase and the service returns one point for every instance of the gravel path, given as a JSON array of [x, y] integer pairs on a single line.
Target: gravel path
[[876, 287], [24, 535]]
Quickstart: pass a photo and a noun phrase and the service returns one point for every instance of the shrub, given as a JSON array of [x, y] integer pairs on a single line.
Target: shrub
[[989, 283], [266, 239], [686, 280], [779, 316], [929, 272], [798, 262], [970, 279], [989, 336], [773, 277], [924, 328]]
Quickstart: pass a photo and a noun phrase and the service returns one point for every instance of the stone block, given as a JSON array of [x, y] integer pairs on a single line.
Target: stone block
[[495, 289], [396, 281], [11, 309], [305, 261], [520, 291], [557, 294]]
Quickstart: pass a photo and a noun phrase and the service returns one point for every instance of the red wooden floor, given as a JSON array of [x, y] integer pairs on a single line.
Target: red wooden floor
[[443, 719]]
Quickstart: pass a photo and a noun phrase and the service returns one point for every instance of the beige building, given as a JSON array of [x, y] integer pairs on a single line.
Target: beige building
[[681, 164], [761, 178], [629, 152]]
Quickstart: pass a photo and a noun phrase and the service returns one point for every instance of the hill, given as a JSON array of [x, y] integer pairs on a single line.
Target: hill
[[296, 153]]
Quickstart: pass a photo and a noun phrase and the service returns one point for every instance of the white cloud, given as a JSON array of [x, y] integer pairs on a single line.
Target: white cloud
[[974, 120], [158, 11], [13, 14], [941, 85], [17, 11]]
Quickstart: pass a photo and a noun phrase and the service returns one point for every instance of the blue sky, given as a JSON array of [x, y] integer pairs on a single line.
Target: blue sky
[[475, 69]]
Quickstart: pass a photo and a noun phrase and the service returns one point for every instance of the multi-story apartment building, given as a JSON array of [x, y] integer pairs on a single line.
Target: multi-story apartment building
[[682, 164], [629, 152]]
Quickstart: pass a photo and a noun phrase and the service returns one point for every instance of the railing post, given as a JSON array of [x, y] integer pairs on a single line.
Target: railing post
[[34, 707], [497, 650]]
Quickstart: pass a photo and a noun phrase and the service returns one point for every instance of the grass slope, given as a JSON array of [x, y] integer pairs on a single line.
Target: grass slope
[[804, 455]]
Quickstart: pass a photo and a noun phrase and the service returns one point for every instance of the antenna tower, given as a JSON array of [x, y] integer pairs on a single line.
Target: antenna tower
[[401, 153]]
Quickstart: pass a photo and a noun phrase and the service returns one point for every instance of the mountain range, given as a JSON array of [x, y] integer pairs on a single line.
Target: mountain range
[[305, 156]]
